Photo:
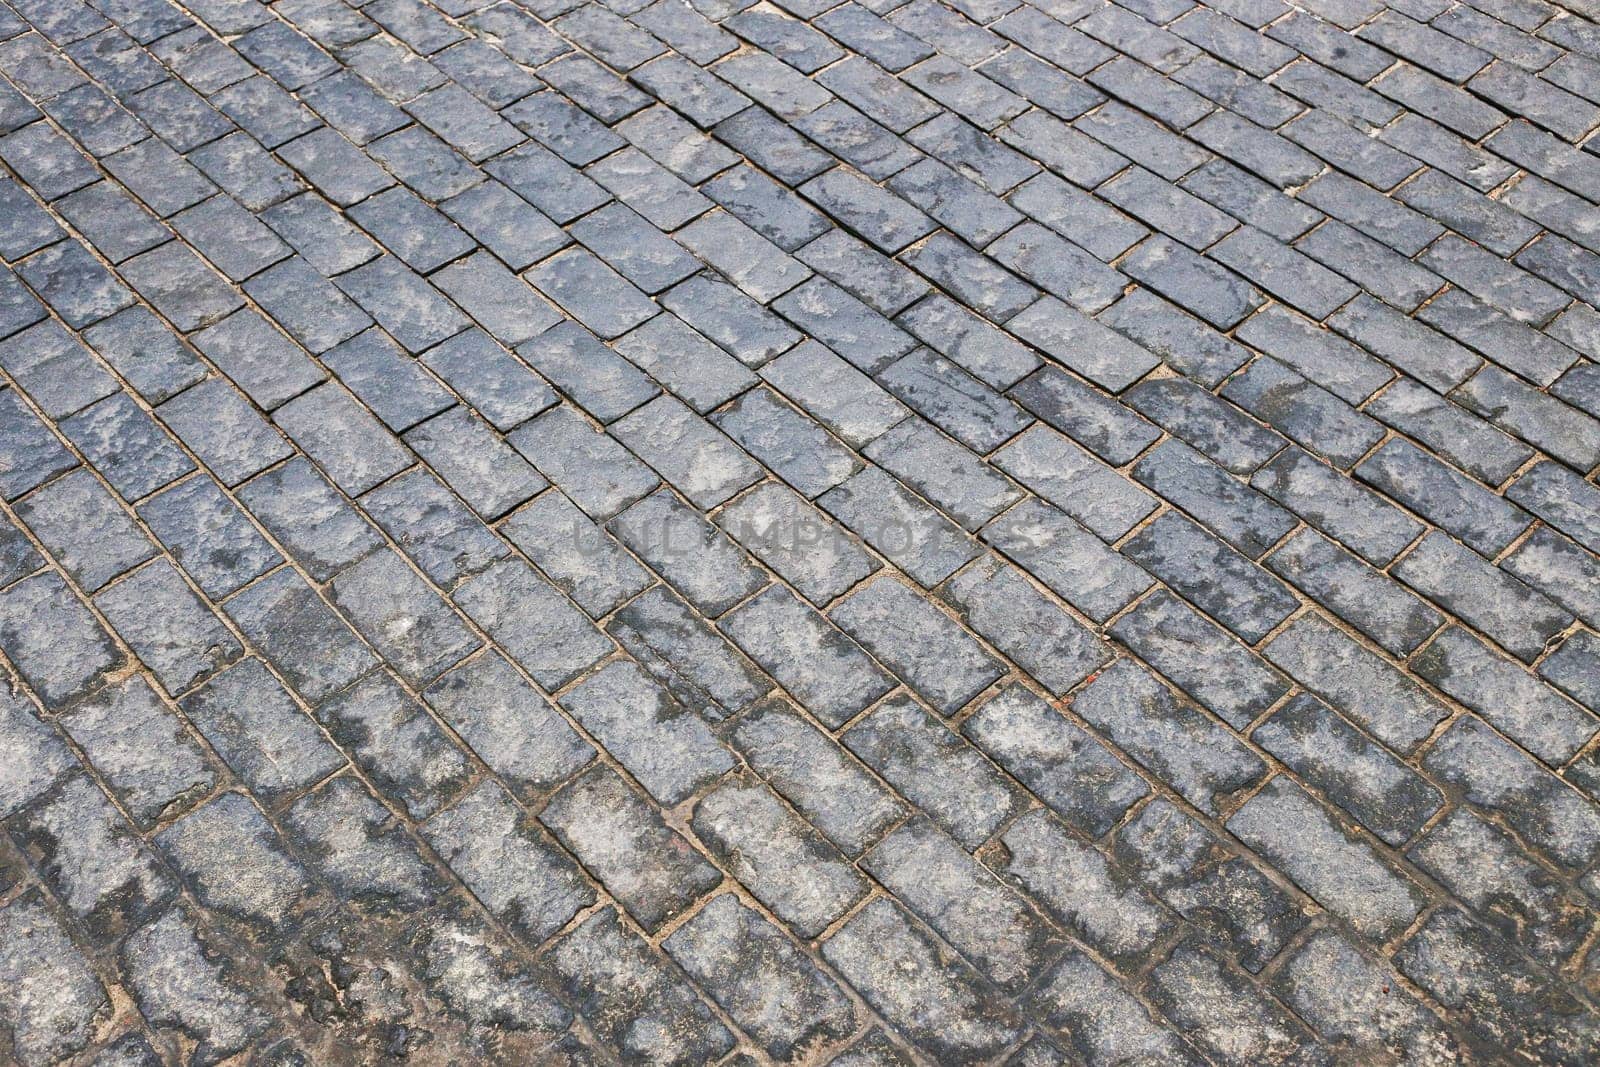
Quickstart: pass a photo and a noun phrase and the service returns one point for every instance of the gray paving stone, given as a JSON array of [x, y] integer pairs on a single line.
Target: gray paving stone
[[833, 792], [943, 1007], [1363, 597], [54, 369], [1464, 440], [691, 454], [250, 720], [1494, 775], [578, 556], [1359, 683], [1200, 658], [1193, 283], [1253, 1027], [536, 891], [1206, 163], [355, 844], [881, 218], [1349, 513], [1095, 901], [410, 625], [264, 363], [785, 863], [62, 1021], [933, 655], [387, 380], [475, 462], [1292, 831], [1063, 555], [172, 631], [698, 560], [298, 633], [602, 383], [1571, 668], [1226, 896], [997, 601], [145, 353], [697, 665], [1550, 726], [403, 302], [1110, 431], [501, 304], [795, 539], [1100, 1018], [823, 670], [75, 285], [960, 899], [1387, 797], [83, 527], [1067, 476], [1187, 411], [1305, 412], [1340, 368], [238, 866], [127, 446], [491, 707], [185, 984], [912, 535], [309, 518], [1461, 582], [533, 623], [322, 236], [1559, 569], [760, 978], [1242, 517], [306, 305], [1349, 996], [845, 324], [89, 856], [1202, 761], [664, 745], [1530, 906], [1063, 764], [935, 769], [632, 997], [1554, 427], [343, 437], [141, 749]]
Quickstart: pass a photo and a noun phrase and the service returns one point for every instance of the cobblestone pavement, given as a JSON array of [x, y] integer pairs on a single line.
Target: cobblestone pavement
[[1028, 531]]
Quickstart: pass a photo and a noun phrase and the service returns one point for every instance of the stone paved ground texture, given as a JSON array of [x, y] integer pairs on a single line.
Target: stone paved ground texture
[[1038, 532]]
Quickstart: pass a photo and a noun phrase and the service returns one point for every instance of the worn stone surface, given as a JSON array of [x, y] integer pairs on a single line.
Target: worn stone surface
[[944, 531]]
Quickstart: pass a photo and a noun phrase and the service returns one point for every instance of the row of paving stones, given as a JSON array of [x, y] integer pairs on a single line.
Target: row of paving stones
[[378, 698]]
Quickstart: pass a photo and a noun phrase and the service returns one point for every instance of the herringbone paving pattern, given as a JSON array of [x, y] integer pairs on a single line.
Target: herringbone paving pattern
[[1027, 531]]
